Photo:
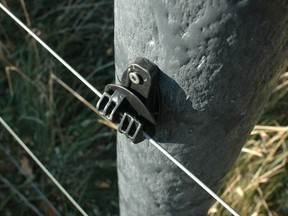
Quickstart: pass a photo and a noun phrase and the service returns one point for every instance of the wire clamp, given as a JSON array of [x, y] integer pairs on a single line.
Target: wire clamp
[[134, 104]]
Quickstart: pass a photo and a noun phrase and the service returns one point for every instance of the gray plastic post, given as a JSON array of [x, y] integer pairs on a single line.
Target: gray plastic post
[[219, 60]]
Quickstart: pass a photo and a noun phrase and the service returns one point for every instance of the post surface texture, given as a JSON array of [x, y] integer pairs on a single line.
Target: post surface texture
[[219, 60]]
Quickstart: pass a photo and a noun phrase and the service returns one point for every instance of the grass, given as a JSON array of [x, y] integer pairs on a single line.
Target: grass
[[258, 182], [66, 135], [62, 129]]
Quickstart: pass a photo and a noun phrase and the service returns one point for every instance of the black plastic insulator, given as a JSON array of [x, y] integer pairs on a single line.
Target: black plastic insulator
[[133, 105]]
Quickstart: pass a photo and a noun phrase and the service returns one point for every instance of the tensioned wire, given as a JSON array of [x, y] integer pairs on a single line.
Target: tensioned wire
[[82, 79], [51, 51], [38, 162]]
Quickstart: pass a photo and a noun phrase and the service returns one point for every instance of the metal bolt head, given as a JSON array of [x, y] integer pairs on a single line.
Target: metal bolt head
[[135, 78]]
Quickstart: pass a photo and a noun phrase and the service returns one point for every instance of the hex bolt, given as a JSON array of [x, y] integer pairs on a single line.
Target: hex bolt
[[135, 78]]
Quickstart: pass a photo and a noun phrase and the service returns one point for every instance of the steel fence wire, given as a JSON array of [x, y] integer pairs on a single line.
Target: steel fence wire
[[97, 92]]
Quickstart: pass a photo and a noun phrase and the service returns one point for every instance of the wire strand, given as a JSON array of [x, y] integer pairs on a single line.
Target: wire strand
[[37, 161], [72, 70], [7, 152], [152, 141], [184, 169]]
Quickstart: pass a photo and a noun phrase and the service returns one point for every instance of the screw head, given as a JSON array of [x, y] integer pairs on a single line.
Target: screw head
[[135, 78]]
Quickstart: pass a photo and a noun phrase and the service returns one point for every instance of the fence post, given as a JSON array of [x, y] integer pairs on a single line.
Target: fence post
[[219, 60]]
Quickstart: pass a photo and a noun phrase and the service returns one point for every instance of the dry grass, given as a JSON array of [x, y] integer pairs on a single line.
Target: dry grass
[[258, 183]]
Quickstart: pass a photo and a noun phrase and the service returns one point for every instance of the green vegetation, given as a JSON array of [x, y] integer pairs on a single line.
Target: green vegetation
[[65, 134], [71, 140]]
